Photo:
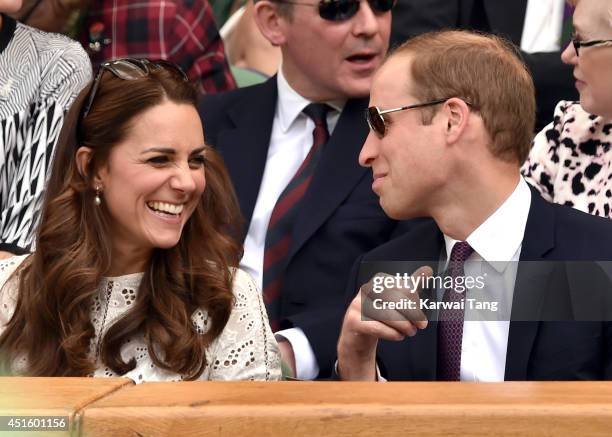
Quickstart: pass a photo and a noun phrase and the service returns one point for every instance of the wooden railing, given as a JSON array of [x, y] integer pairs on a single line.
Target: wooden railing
[[117, 407]]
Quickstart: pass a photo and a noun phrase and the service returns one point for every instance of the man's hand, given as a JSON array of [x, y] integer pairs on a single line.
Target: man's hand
[[365, 323]]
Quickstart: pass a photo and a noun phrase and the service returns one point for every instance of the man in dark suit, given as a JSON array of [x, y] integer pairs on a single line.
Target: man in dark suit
[[455, 157], [267, 136], [553, 79]]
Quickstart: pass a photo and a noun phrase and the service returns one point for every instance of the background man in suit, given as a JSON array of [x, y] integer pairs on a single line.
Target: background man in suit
[[539, 27], [308, 204], [455, 157]]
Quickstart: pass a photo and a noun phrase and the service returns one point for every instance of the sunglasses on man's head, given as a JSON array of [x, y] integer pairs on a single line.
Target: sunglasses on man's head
[[129, 69], [341, 10], [376, 116]]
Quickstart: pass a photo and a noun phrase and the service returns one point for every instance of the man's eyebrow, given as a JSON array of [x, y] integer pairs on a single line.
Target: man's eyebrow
[[159, 150]]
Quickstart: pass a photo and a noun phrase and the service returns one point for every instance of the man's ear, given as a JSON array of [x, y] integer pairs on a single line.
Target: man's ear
[[83, 158], [457, 113], [270, 23]]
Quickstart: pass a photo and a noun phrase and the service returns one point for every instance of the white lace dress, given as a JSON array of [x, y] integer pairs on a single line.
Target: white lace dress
[[245, 350]]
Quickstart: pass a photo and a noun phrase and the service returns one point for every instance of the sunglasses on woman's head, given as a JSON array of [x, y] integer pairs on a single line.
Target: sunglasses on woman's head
[[341, 10], [129, 69]]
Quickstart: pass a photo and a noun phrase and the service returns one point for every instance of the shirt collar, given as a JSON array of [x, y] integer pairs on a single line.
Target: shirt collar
[[291, 104], [499, 237]]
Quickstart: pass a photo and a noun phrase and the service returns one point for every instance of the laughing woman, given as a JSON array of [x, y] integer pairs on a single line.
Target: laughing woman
[[135, 272]]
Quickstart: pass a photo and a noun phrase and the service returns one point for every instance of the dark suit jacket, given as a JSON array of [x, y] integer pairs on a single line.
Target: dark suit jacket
[[555, 349], [341, 216], [553, 79]]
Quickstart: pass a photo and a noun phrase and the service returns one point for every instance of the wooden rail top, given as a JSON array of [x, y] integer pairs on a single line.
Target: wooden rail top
[[116, 407]]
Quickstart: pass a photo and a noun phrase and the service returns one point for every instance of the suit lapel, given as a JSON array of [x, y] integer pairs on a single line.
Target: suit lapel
[[423, 353], [507, 18], [419, 353], [530, 286], [465, 13], [245, 147], [336, 174]]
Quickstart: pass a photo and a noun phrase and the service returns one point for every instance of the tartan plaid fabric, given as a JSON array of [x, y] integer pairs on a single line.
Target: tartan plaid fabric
[[183, 32]]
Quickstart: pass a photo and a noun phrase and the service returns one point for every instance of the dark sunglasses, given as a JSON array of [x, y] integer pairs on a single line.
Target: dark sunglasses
[[376, 117], [129, 69], [342, 10]]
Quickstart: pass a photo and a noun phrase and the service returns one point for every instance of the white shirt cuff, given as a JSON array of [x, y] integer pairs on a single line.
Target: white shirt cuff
[[306, 366]]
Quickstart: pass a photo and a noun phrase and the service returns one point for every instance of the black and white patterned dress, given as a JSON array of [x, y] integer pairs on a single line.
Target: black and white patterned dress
[[40, 75], [571, 160]]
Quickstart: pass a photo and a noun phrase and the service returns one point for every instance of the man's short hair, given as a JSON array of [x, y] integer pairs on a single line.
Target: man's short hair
[[486, 71]]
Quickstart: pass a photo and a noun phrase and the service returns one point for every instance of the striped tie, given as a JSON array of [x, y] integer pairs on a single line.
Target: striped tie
[[450, 325], [278, 236]]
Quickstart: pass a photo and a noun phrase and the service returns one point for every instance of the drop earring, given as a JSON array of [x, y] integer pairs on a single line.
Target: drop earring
[[97, 199]]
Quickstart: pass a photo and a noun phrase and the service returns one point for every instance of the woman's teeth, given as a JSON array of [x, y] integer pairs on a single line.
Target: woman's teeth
[[167, 208]]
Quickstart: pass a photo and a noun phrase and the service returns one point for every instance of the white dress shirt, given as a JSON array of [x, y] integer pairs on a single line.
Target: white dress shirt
[[543, 26], [497, 244], [290, 142]]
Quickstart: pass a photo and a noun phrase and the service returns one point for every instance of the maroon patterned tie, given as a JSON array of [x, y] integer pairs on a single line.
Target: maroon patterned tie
[[280, 227], [450, 325]]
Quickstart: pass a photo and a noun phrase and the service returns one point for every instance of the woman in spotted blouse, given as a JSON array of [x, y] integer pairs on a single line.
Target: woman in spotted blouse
[[571, 159]]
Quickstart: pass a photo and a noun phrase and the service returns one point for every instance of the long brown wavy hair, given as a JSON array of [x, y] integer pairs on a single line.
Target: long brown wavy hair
[[51, 325]]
